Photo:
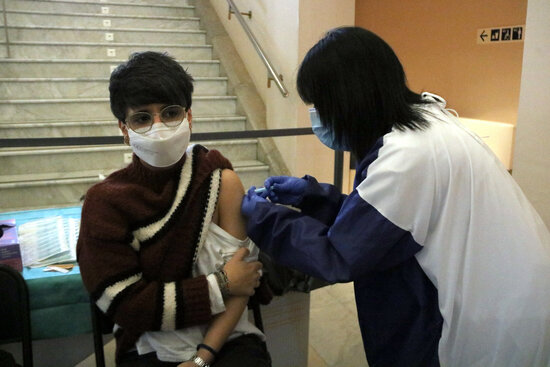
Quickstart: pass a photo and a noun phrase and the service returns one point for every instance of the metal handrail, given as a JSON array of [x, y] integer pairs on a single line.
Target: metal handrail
[[6, 28], [117, 139], [258, 49], [106, 140]]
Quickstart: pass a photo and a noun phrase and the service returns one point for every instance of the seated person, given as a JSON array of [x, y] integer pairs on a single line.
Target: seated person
[[163, 247]]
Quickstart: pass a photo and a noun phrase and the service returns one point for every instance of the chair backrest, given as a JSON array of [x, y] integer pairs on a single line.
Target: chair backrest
[[15, 318], [102, 325], [254, 305]]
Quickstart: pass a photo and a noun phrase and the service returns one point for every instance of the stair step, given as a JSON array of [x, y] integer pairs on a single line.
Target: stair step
[[103, 35], [56, 50], [82, 108], [33, 179], [108, 127], [28, 88], [131, 2], [90, 68], [20, 161], [65, 51], [83, 20], [47, 190], [61, 7]]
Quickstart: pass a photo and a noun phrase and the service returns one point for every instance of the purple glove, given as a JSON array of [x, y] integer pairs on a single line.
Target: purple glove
[[286, 190], [250, 200]]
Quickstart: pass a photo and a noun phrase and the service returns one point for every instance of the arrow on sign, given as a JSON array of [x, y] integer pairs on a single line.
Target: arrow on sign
[[483, 35]]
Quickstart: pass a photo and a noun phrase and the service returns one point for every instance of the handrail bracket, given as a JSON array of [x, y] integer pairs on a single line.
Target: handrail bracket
[[270, 78], [231, 11]]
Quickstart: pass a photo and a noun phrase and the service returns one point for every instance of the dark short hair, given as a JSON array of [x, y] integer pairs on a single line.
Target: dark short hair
[[357, 84], [149, 77]]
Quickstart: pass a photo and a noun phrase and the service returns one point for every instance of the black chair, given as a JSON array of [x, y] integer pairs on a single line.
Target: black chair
[[102, 325], [254, 306], [15, 315]]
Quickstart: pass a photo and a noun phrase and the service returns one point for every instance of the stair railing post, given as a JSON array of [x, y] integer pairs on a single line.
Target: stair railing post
[[6, 28], [338, 169]]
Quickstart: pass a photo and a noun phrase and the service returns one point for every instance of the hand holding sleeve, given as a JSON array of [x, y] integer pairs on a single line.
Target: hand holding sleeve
[[243, 276]]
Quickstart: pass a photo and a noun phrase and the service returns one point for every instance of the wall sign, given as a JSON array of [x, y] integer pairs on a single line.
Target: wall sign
[[494, 35]]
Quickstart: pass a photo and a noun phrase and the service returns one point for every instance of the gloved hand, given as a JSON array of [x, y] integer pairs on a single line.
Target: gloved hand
[[250, 200], [286, 190]]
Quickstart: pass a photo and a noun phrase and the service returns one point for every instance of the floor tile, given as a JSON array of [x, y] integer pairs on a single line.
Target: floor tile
[[334, 335]]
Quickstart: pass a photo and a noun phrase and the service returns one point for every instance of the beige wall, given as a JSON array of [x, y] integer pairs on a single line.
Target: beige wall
[[532, 151], [286, 29], [436, 42], [316, 18], [275, 27]]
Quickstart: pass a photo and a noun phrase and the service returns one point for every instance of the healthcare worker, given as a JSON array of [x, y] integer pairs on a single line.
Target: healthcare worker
[[450, 262]]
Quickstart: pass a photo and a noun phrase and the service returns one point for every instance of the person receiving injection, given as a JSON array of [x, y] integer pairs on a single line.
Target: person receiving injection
[[450, 262]]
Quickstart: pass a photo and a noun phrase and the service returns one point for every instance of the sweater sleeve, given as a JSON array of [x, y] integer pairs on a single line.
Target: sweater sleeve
[[359, 241], [368, 232], [321, 201], [111, 272]]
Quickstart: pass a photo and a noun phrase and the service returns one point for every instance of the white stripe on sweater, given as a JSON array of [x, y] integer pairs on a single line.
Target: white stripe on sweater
[[147, 232], [135, 245], [109, 294], [169, 307]]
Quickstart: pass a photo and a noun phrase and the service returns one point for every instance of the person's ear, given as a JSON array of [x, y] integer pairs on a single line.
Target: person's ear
[[124, 129], [190, 118]]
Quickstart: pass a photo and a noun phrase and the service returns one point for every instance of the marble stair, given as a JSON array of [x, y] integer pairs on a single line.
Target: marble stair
[[55, 84]]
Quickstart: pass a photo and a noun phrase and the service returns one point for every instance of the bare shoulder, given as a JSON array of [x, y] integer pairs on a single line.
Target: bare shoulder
[[231, 183], [229, 204]]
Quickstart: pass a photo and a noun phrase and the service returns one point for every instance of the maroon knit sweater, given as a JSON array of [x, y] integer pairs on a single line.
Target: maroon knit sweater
[[139, 233]]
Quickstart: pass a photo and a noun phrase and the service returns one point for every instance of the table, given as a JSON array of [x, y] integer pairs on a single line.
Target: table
[[59, 302]]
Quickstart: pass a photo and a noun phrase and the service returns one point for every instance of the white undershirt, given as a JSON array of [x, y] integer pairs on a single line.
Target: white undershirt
[[180, 345]]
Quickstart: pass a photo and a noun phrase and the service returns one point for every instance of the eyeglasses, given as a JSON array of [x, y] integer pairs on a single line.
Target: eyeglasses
[[141, 122]]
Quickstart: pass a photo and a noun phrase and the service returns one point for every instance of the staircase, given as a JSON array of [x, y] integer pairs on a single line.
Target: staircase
[[55, 84]]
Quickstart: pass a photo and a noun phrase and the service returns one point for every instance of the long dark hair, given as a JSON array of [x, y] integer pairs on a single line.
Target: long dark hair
[[356, 82], [149, 77]]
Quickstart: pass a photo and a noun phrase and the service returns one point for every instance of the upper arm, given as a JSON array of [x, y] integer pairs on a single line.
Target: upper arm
[[231, 195]]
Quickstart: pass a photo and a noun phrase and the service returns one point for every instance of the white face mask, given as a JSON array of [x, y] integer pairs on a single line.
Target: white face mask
[[162, 146]]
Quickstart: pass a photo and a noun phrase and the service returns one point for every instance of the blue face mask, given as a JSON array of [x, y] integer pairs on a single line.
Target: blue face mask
[[325, 134]]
